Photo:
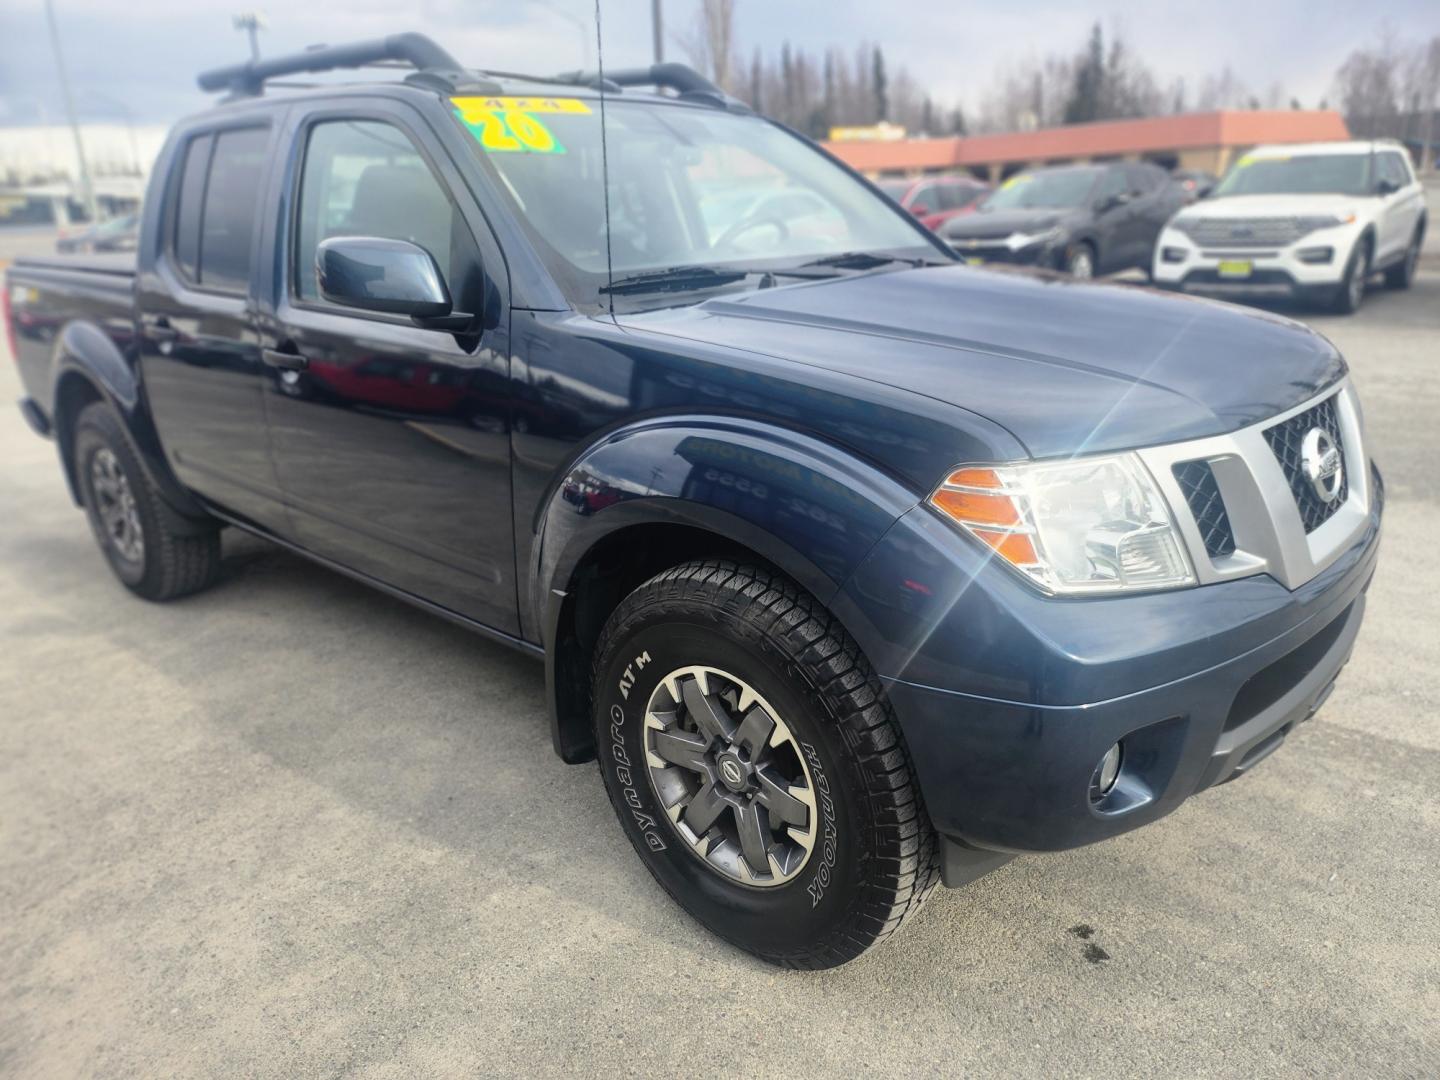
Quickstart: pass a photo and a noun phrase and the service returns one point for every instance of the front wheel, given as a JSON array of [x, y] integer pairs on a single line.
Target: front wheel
[[1352, 286], [755, 766], [1080, 262], [1402, 273]]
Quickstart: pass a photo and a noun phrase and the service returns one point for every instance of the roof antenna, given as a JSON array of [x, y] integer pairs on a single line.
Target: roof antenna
[[604, 162]]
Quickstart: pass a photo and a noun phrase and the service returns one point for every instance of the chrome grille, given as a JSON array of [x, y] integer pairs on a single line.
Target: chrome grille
[[1243, 232], [1285, 440], [1197, 483]]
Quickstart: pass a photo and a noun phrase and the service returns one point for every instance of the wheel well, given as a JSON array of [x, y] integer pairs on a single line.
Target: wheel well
[[611, 570], [73, 394]]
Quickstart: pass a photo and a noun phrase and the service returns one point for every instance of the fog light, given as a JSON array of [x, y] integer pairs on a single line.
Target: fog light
[[1172, 255], [1106, 773], [1315, 255]]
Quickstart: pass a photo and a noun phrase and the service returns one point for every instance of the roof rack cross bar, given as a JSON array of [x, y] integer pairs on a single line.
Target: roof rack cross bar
[[416, 50]]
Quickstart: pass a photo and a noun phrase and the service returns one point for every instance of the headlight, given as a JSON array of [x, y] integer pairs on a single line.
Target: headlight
[[1016, 241], [1089, 525], [1312, 223]]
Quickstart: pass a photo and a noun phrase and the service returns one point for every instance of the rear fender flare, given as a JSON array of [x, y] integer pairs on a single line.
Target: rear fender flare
[[86, 353]]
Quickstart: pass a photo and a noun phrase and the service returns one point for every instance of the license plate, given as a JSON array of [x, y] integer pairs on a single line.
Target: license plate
[[974, 260], [1239, 268]]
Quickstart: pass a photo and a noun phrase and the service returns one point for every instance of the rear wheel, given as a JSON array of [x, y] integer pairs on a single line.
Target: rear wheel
[[755, 766], [154, 552], [1402, 273]]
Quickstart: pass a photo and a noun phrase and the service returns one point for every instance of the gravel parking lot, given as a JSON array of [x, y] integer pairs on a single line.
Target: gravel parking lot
[[291, 827]]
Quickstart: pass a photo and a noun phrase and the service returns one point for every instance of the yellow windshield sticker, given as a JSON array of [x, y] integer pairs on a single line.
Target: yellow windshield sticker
[[1021, 178], [1251, 159], [509, 124], [521, 104]]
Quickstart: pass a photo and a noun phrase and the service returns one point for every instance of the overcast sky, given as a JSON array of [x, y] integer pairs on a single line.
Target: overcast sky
[[142, 55]]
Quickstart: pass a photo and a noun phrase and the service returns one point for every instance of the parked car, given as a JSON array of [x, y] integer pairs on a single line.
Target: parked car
[[1196, 183], [1311, 222], [936, 199], [117, 234], [854, 568], [1083, 219]]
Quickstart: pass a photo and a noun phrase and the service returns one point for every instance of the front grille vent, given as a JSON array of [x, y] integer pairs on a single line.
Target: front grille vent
[[1244, 232], [1202, 493], [1286, 439]]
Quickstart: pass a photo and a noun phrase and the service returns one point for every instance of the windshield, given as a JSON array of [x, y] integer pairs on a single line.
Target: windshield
[[1310, 174], [688, 187], [1050, 190]]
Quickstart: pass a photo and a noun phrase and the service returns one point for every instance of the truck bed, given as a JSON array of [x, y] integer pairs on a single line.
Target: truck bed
[[49, 293]]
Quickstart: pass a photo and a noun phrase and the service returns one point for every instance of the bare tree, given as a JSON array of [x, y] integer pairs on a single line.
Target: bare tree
[[710, 43]]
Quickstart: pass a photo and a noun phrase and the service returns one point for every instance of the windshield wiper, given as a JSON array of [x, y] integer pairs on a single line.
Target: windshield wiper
[[699, 277], [675, 278], [863, 260]]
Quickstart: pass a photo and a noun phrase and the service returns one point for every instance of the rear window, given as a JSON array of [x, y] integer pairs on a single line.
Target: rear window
[[216, 209]]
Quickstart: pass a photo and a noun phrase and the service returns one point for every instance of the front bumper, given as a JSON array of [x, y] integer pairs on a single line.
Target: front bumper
[[1275, 273], [1008, 700]]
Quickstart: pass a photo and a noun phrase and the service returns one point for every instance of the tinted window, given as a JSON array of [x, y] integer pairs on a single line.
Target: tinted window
[[185, 238], [232, 197], [366, 178], [1049, 188], [1144, 178]]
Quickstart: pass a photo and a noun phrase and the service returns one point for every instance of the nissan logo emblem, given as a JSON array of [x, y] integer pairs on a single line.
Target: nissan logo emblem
[[731, 771], [1320, 460]]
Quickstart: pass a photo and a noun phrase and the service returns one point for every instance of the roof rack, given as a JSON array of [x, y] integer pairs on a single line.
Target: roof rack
[[434, 67], [683, 79]]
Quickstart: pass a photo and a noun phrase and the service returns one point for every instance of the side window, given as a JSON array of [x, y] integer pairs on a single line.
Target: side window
[[1141, 179], [190, 199], [237, 170], [1392, 168], [1112, 183], [924, 196], [366, 178]]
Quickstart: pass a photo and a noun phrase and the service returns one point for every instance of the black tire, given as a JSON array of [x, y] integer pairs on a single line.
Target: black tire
[[1352, 286], [873, 858], [176, 555], [1402, 273], [1080, 260]]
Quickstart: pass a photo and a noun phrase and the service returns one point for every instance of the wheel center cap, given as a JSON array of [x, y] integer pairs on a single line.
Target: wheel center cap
[[734, 772]]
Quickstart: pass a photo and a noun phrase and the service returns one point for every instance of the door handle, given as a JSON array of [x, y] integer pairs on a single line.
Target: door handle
[[161, 332], [285, 361]]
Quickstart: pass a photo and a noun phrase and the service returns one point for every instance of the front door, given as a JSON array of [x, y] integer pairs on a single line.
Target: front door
[[392, 442]]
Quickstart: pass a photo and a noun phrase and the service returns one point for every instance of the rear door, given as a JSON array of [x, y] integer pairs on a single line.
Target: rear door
[[391, 442], [199, 356], [1113, 221]]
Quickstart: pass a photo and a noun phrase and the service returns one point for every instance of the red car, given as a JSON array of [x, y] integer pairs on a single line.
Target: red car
[[936, 199]]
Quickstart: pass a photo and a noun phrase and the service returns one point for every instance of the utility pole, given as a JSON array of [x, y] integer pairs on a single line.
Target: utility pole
[[252, 22], [87, 190], [657, 28]]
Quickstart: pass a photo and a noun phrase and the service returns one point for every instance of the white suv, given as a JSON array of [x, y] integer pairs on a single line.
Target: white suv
[[1312, 221]]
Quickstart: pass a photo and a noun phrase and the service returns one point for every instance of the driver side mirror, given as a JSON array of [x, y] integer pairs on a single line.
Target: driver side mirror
[[1110, 202], [919, 209], [393, 277], [1386, 187]]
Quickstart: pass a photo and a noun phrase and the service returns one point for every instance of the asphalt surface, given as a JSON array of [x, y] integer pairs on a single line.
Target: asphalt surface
[[291, 827]]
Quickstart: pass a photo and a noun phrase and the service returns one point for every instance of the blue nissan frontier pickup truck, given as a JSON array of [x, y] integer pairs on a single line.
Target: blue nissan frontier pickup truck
[[857, 569]]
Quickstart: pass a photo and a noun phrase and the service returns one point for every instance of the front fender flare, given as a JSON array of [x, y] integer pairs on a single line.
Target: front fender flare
[[810, 508]]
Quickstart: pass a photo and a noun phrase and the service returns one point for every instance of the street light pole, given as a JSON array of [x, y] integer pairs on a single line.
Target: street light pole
[[87, 190], [658, 31]]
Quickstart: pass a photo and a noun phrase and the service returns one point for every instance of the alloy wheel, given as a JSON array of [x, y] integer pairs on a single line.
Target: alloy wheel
[[115, 506], [1081, 265], [731, 775], [1356, 285]]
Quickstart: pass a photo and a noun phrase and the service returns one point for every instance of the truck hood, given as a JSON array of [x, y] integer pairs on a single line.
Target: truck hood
[[1065, 366], [988, 224], [1274, 206]]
